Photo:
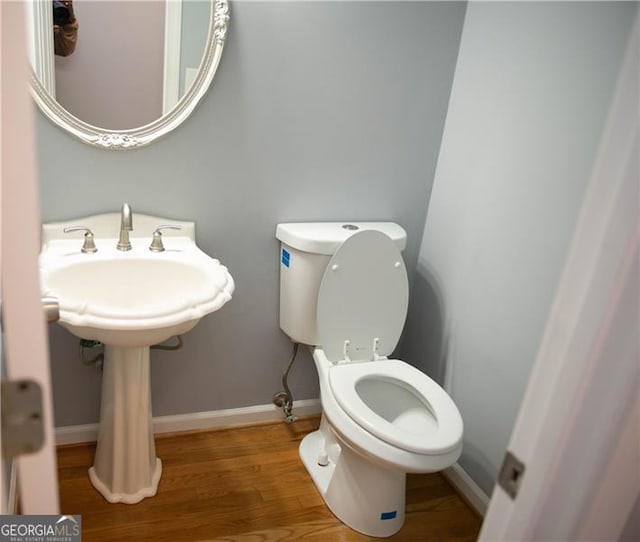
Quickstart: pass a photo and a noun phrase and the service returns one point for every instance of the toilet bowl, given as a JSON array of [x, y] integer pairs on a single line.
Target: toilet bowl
[[399, 405], [361, 474], [381, 417]]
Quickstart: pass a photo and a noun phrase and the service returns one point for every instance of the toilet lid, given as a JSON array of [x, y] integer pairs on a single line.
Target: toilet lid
[[363, 296], [440, 435]]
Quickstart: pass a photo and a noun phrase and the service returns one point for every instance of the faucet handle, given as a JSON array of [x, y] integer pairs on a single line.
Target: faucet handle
[[156, 242], [89, 246]]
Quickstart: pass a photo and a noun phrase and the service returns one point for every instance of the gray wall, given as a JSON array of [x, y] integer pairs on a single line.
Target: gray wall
[[532, 88], [319, 111]]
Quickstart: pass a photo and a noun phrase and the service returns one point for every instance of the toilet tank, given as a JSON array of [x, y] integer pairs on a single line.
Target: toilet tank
[[305, 251]]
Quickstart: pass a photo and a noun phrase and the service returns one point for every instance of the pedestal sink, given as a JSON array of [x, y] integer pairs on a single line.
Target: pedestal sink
[[129, 301]]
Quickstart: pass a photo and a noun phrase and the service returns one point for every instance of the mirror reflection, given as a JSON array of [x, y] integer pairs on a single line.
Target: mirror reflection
[[119, 64]]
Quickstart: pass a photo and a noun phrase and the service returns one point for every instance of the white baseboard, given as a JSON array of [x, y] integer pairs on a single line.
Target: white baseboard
[[477, 498], [75, 434]]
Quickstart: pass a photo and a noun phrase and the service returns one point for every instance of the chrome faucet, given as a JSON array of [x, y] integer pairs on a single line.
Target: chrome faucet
[[126, 225]]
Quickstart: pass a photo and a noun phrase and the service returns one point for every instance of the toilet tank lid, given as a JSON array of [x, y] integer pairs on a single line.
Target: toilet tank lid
[[326, 237]]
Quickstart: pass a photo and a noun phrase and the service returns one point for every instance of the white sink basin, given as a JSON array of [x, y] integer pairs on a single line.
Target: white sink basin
[[129, 301], [133, 298]]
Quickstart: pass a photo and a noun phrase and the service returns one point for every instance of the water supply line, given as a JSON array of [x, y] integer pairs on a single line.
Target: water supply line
[[98, 359], [284, 399], [169, 347]]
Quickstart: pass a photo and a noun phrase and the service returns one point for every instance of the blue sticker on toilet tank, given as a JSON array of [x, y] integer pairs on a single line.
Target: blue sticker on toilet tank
[[389, 515], [286, 257]]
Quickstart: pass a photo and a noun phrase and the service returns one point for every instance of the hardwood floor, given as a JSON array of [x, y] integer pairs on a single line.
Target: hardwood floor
[[245, 484]]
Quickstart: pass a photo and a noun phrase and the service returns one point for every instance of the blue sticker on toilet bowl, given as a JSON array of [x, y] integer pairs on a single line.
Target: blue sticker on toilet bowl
[[389, 515]]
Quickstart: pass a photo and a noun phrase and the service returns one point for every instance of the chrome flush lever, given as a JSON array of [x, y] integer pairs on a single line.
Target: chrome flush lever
[[89, 246], [156, 242]]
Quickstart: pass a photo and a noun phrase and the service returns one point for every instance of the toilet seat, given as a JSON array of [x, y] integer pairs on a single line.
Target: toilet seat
[[433, 439], [362, 306], [362, 299]]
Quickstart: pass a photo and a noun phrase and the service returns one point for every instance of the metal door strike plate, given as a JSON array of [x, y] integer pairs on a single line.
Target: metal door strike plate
[[511, 474]]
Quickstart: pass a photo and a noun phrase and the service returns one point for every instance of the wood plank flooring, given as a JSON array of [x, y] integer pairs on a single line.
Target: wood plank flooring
[[245, 484]]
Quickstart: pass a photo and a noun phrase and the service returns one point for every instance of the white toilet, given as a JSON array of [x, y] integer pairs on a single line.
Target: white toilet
[[344, 290]]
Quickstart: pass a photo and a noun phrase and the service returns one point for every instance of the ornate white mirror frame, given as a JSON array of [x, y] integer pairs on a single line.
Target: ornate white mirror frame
[[143, 135]]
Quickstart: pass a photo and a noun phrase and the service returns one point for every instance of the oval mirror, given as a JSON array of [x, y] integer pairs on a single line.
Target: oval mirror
[[138, 69]]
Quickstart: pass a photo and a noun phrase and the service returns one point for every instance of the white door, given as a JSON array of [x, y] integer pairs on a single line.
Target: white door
[[578, 430], [25, 342]]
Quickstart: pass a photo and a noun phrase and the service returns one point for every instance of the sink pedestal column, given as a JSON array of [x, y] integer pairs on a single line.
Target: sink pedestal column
[[125, 467]]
